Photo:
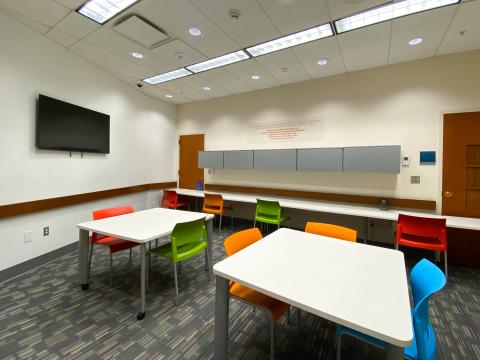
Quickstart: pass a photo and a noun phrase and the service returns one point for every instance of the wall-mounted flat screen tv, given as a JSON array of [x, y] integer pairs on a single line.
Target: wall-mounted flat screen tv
[[68, 127]]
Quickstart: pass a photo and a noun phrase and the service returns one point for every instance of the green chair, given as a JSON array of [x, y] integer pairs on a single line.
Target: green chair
[[188, 239], [268, 212]]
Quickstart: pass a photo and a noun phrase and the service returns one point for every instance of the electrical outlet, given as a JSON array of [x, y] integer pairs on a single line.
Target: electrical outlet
[[27, 237], [46, 231], [415, 179]]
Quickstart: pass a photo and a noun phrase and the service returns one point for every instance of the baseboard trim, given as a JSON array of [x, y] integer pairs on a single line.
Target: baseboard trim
[[17, 270]]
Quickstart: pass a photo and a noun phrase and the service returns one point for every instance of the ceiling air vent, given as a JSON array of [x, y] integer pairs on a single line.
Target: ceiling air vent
[[142, 31]]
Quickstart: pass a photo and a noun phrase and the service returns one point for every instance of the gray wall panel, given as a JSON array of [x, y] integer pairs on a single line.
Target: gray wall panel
[[284, 159], [210, 159], [326, 159], [238, 160], [372, 159]]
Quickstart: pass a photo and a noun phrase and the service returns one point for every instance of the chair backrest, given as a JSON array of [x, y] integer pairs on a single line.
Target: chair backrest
[[213, 202], [187, 233], [422, 227], [170, 197], [240, 240], [425, 279], [334, 231], [109, 212], [268, 208]]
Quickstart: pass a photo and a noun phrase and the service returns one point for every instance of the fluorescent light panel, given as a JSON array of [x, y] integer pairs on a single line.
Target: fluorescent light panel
[[103, 10], [387, 12], [298, 38], [218, 61], [171, 75]]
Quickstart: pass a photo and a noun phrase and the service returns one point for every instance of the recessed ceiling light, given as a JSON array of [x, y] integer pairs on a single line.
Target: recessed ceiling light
[[169, 96], [137, 55], [195, 31], [255, 77], [101, 11], [171, 75], [218, 61], [415, 41], [389, 11], [301, 37], [206, 88], [322, 62]]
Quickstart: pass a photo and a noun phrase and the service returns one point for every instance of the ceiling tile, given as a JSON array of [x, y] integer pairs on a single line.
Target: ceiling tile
[[35, 25], [309, 54], [61, 38], [176, 88], [177, 16], [71, 4], [198, 82], [104, 59], [137, 29], [116, 44], [430, 25], [227, 81], [76, 25], [178, 53], [159, 93], [297, 15], [284, 66], [466, 19], [252, 26], [342, 8], [245, 69], [366, 47], [45, 12]]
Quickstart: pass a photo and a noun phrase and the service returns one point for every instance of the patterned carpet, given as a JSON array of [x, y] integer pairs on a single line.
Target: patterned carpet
[[45, 315]]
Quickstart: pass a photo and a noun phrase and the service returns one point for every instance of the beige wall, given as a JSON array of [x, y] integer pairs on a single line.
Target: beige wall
[[398, 104]]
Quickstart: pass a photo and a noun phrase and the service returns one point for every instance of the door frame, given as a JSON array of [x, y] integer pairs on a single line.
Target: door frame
[[440, 153], [177, 152]]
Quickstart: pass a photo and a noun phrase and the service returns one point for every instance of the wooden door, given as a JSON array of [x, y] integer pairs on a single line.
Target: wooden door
[[461, 183], [189, 173]]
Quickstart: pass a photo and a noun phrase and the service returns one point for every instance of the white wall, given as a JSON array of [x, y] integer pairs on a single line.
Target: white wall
[[398, 104], [142, 140]]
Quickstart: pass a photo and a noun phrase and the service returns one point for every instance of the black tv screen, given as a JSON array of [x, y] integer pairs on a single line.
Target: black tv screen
[[64, 126]]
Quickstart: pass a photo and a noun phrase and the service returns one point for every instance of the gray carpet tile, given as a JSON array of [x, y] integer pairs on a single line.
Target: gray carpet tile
[[45, 315]]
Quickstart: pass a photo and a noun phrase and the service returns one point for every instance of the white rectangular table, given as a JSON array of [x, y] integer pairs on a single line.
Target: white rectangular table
[[140, 227], [367, 212], [360, 286]]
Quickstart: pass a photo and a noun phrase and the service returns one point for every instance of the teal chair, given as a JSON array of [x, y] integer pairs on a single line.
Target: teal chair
[[268, 212], [425, 279], [188, 240]]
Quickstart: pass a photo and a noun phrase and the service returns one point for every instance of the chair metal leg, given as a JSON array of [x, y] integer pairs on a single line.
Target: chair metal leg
[[339, 347], [254, 222], [220, 225], [207, 263], [299, 315], [396, 246], [278, 226], [176, 282], [272, 340], [180, 267], [446, 265], [130, 259], [111, 268]]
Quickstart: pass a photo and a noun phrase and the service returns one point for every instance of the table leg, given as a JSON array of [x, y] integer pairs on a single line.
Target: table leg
[[393, 352], [83, 249], [210, 244], [143, 270], [221, 318]]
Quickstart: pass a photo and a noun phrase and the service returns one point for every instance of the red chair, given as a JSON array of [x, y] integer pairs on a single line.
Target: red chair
[[423, 233], [114, 244], [170, 199]]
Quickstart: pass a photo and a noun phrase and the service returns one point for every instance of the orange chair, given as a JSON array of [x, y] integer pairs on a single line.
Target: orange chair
[[274, 307], [333, 231], [423, 233], [170, 199], [114, 244], [213, 204]]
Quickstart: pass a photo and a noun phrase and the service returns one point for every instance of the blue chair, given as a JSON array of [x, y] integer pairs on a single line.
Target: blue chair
[[425, 279]]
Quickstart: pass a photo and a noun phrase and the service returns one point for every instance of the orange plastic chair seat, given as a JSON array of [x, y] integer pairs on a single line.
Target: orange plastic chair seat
[[276, 307], [115, 244], [172, 204], [421, 242]]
